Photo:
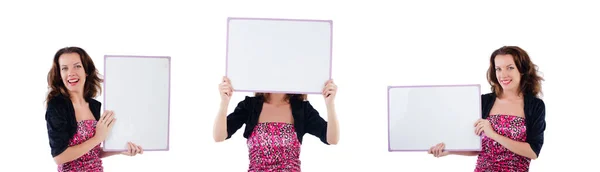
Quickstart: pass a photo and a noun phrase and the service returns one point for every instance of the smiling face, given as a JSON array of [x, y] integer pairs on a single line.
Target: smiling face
[[507, 73], [72, 72], [511, 70]]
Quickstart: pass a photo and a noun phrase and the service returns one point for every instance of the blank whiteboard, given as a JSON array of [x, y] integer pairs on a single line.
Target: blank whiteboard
[[137, 89], [420, 117], [278, 55]]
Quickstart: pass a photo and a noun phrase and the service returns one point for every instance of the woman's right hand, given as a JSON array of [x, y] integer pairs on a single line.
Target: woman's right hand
[[438, 150], [225, 90], [105, 124]]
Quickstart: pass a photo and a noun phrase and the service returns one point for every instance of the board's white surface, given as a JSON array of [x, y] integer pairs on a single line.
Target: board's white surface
[[273, 55], [423, 116], [137, 90]]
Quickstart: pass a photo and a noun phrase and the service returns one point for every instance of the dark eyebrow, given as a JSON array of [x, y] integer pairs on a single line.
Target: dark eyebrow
[[506, 65], [76, 63]]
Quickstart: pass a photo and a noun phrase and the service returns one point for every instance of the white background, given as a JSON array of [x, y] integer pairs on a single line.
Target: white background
[[375, 45]]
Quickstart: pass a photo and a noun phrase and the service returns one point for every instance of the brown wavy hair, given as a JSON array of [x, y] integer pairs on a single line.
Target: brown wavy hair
[[531, 81], [56, 87], [301, 97]]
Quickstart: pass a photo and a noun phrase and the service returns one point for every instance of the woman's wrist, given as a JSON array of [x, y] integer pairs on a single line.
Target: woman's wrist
[[96, 140], [224, 104]]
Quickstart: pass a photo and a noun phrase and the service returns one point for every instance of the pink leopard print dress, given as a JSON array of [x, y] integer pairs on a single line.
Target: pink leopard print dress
[[274, 146], [90, 161], [497, 158]]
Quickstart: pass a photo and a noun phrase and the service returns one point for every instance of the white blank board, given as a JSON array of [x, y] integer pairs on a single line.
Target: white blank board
[[278, 55], [137, 89], [422, 116]]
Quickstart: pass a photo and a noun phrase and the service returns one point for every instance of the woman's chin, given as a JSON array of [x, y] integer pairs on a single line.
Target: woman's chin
[[509, 89], [74, 90]]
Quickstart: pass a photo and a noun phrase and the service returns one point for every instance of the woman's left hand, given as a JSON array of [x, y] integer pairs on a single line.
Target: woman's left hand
[[329, 92], [484, 126], [133, 149]]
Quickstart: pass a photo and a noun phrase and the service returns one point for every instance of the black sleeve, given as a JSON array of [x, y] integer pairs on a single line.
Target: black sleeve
[[238, 117], [58, 133], [535, 132], [486, 105], [315, 124]]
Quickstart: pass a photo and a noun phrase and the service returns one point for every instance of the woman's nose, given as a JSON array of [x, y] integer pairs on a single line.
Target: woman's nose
[[502, 74], [70, 72]]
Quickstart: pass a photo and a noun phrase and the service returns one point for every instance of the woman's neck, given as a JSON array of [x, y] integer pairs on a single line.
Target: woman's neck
[[277, 99], [77, 98], [511, 95]]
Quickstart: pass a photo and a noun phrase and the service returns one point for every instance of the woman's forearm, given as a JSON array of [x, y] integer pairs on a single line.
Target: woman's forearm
[[333, 129], [74, 152], [220, 125], [104, 154], [465, 153], [519, 148]]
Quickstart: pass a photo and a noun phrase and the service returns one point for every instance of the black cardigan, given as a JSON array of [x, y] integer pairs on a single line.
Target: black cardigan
[[61, 122], [535, 118], [306, 118]]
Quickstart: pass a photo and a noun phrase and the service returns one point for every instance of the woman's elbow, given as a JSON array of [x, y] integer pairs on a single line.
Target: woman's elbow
[[533, 157], [333, 141], [218, 138], [58, 160]]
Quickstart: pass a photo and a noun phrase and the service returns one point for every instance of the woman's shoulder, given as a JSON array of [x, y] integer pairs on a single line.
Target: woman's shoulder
[[488, 95], [56, 109], [301, 104], [60, 101], [57, 101], [537, 100], [535, 103], [487, 98], [249, 99], [93, 102]]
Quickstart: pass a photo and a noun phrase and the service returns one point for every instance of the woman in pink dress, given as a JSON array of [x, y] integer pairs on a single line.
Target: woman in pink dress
[[513, 116], [75, 127], [275, 126]]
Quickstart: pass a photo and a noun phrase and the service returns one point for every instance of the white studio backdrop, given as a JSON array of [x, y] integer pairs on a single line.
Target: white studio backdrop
[[375, 45]]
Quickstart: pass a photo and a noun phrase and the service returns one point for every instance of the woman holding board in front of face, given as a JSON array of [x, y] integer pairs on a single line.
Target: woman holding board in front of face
[[513, 121], [275, 125], [75, 128]]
